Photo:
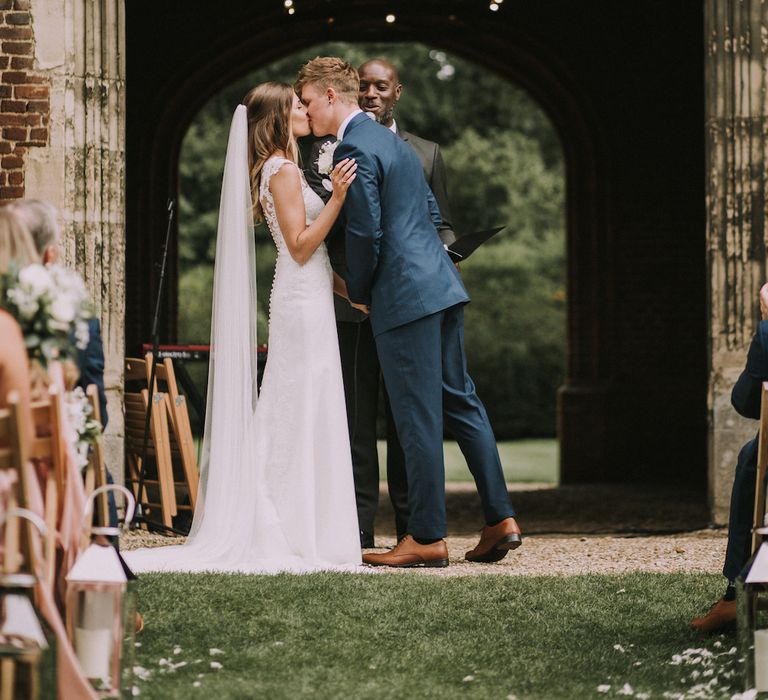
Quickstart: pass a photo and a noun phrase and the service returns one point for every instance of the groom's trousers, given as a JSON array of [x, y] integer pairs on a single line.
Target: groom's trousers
[[425, 372]]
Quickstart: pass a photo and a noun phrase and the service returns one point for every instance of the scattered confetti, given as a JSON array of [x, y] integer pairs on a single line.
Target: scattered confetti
[[603, 688], [626, 690], [177, 650], [215, 651], [619, 648], [468, 679], [216, 665]]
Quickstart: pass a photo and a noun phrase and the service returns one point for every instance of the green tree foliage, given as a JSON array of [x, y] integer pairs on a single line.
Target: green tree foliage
[[505, 167]]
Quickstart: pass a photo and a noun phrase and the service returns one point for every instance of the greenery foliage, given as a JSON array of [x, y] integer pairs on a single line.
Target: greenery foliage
[[421, 636], [505, 167]]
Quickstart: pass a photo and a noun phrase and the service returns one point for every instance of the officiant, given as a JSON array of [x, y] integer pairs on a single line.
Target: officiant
[[380, 90]]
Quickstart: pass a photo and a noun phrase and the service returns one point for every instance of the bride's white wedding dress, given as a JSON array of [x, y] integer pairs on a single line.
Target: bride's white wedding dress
[[277, 494]]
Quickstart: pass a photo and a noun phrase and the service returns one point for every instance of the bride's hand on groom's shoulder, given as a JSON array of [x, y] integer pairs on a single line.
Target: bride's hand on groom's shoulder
[[342, 176], [361, 307]]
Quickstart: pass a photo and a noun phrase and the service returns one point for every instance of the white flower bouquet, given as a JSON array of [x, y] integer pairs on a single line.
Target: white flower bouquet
[[52, 306], [325, 157], [83, 428]]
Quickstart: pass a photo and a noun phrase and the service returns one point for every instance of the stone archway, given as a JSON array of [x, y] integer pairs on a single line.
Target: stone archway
[[617, 418]]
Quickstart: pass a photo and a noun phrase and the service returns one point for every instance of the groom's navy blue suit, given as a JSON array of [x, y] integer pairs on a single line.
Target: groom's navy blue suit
[[397, 265]]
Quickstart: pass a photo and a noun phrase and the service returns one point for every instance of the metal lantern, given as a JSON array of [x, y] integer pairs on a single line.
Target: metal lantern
[[101, 607], [27, 653], [752, 616]]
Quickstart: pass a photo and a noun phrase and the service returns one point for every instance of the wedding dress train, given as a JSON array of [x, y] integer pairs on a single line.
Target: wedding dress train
[[276, 491]]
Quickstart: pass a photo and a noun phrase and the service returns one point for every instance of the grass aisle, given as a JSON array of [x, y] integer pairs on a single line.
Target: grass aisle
[[413, 636]]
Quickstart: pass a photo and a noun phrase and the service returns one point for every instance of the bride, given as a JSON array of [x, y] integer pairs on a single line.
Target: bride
[[276, 490]]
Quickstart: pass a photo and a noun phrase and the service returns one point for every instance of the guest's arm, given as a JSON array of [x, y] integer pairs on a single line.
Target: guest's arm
[[746, 393], [91, 364], [14, 365]]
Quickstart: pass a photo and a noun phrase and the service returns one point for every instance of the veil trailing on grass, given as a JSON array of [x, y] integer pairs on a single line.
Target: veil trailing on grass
[[233, 359]]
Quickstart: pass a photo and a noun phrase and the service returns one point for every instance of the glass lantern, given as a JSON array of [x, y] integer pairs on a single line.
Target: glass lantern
[[752, 617], [27, 649], [101, 607]]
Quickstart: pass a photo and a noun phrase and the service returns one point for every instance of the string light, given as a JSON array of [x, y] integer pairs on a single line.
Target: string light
[[494, 6], [390, 18]]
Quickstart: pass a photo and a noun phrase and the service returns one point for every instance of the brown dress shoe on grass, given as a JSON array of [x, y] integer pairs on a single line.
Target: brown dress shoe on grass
[[496, 541], [720, 616], [408, 552]]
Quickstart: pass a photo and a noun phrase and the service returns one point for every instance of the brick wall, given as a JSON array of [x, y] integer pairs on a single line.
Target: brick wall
[[24, 97]]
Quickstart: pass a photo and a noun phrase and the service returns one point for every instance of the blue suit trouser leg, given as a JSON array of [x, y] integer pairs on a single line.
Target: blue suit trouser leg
[[739, 547], [411, 362], [466, 419]]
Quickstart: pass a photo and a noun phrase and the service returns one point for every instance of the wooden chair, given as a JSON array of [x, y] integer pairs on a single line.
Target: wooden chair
[[184, 471], [48, 446], [182, 445], [158, 492], [14, 453], [762, 464]]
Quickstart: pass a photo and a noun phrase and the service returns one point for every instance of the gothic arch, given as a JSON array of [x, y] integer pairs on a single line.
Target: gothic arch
[[167, 88]]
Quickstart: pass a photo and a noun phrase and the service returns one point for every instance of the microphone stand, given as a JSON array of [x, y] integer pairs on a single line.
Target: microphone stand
[[139, 517]]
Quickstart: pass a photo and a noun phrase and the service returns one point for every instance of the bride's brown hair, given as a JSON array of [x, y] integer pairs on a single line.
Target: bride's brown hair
[[269, 108]]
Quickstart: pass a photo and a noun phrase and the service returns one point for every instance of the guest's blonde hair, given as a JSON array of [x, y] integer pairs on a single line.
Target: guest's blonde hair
[[16, 243], [269, 108], [333, 72]]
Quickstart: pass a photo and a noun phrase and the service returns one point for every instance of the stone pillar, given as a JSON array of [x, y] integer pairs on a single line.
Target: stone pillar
[[736, 43], [79, 48]]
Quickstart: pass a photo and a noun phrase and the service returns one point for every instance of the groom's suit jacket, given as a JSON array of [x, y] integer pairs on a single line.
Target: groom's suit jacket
[[434, 171], [395, 262]]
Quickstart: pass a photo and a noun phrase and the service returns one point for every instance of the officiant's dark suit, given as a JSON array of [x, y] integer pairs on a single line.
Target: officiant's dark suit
[[397, 265]]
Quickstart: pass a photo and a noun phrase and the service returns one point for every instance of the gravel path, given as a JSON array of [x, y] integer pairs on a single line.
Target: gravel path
[[542, 555]]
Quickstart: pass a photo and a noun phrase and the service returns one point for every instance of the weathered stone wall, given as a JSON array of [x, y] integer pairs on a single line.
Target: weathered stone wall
[[67, 74], [737, 157]]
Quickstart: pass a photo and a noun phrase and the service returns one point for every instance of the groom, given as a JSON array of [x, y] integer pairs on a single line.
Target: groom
[[398, 270]]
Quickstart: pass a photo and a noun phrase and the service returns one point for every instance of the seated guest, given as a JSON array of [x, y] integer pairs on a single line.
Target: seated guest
[[745, 398], [41, 219], [16, 245]]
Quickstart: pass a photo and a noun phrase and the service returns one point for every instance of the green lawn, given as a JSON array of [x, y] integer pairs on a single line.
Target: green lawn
[[412, 636], [523, 460]]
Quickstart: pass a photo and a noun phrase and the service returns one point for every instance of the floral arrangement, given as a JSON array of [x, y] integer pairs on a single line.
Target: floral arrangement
[[83, 428], [325, 157], [51, 305]]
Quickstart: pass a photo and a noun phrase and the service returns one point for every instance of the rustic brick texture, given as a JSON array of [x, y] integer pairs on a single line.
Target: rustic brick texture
[[24, 97]]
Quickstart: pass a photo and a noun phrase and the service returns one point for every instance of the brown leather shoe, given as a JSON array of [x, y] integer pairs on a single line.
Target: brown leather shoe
[[496, 541], [408, 552], [720, 616]]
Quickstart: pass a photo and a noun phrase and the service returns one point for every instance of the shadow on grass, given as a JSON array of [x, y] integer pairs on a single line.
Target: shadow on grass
[[393, 636]]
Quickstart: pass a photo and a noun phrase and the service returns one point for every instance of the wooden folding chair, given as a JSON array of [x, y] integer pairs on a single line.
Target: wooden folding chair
[[14, 453], [48, 445], [158, 492], [184, 472], [96, 472], [182, 445], [762, 464]]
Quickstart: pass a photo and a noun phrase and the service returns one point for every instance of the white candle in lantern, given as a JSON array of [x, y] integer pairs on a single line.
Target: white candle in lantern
[[761, 660], [92, 648], [93, 636]]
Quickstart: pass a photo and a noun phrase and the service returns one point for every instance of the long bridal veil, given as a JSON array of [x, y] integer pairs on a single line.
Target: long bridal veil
[[227, 441]]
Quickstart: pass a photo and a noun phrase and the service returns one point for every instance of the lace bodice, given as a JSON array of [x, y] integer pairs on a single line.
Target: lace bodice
[[313, 205]]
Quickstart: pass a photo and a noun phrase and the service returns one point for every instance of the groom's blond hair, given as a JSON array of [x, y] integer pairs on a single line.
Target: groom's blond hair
[[333, 72]]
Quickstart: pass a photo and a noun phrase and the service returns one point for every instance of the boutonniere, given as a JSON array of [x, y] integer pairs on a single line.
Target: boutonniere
[[325, 157]]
